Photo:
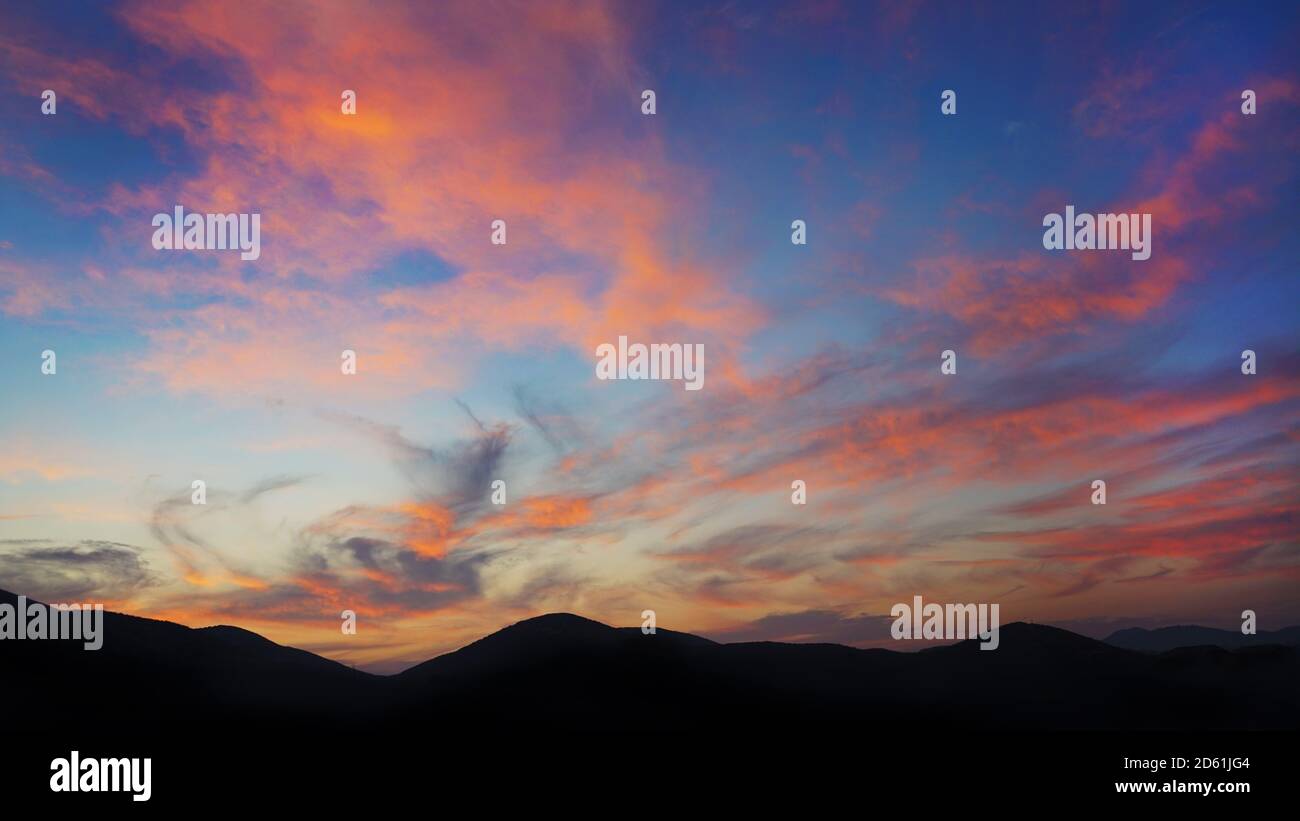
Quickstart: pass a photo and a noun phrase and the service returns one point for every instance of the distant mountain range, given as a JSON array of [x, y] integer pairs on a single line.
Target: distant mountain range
[[1164, 639], [562, 670]]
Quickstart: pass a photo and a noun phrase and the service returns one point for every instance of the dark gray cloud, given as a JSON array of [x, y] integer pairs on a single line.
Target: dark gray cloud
[[1162, 572], [84, 571], [458, 476], [363, 557], [333, 570], [471, 466], [402, 576], [809, 626], [552, 422]]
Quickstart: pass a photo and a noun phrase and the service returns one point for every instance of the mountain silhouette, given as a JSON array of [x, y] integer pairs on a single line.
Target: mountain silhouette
[[1164, 639], [562, 670]]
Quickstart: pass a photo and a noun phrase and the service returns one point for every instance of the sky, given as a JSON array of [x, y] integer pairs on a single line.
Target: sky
[[372, 491]]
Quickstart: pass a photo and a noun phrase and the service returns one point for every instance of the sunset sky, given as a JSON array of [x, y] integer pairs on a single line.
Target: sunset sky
[[476, 361]]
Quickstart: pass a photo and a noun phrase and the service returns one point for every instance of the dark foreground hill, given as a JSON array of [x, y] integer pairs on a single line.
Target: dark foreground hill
[[563, 671]]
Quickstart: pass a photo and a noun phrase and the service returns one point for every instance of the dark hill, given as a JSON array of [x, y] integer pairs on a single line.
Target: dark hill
[[566, 671]]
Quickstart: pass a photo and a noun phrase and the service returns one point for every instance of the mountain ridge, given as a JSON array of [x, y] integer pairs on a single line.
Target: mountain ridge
[[562, 625], [1163, 639], [565, 670]]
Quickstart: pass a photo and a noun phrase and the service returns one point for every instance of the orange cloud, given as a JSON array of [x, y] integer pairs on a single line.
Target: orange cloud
[[445, 140]]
